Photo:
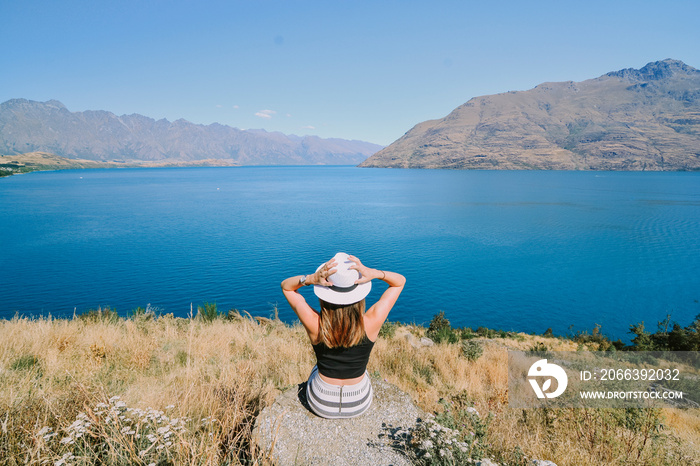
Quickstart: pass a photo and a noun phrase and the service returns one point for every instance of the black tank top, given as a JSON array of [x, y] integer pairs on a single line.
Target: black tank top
[[343, 363]]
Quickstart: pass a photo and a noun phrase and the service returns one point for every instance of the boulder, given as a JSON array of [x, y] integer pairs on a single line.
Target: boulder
[[290, 434]]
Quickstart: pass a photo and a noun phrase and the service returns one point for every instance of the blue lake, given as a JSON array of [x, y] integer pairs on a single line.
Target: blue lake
[[509, 250]]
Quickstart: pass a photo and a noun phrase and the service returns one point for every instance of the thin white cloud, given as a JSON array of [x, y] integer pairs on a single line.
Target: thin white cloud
[[219, 106], [236, 107], [308, 127], [267, 114]]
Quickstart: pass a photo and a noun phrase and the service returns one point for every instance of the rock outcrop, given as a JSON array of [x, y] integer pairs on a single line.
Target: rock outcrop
[[291, 434]]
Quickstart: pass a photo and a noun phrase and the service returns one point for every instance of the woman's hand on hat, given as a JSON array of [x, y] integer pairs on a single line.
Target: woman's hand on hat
[[365, 272], [324, 272]]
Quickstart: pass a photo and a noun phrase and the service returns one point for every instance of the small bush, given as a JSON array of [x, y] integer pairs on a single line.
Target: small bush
[[538, 349], [142, 314], [388, 329], [117, 434], [439, 322], [208, 313], [105, 315], [472, 350], [440, 329], [455, 436]]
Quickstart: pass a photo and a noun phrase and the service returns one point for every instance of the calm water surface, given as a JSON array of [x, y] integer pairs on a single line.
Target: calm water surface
[[509, 250]]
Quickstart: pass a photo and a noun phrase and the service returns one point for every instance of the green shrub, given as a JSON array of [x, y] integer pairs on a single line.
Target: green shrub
[[440, 329], [208, 313], [105, 315], [472, 350], [439, 322], [457, 435], [538, 349], [388, 329]]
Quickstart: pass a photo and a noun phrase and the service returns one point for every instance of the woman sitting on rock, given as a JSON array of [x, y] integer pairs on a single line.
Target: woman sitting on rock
[[342, 334]]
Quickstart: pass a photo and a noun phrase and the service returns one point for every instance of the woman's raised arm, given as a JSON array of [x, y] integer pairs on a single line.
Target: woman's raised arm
[[377, 314], [290, 287]]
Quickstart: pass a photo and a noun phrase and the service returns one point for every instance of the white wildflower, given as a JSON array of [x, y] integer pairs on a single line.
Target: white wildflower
[[170, 407], [120, 404], [114, 398], [473, 411], [167, 444], [442, 452], [67, 441]]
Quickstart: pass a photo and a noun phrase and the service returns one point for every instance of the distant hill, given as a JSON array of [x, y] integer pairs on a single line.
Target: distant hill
[[29, 126], [646, 119], [40, 161], [37, 161]]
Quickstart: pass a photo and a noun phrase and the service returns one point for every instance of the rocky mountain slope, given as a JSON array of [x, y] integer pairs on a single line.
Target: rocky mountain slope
[[646, 119], [29, 126]]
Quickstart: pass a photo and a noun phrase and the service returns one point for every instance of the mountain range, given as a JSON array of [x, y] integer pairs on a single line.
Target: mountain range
[[633, 119], [30, 126]]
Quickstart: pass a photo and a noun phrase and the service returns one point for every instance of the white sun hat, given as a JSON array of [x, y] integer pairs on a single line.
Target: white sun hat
[[344, 290]]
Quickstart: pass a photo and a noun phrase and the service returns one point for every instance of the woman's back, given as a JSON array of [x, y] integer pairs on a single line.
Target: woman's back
[[342, 334]]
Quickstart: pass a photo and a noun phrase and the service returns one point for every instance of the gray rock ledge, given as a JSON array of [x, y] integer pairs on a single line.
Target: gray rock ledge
[[290, 434]]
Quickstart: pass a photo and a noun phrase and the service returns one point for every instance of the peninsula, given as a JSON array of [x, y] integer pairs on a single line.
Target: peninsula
[[645, 119]]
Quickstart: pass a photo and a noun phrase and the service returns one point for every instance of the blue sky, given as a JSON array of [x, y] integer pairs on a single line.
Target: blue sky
[[349, 69]]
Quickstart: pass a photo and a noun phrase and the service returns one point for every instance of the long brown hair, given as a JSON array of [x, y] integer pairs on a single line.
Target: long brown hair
[[341, 325]]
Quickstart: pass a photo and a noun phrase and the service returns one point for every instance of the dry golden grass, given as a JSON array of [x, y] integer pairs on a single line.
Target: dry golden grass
[[213, 378]]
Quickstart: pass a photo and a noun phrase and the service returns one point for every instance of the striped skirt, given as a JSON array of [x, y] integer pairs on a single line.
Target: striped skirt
[[333, 401]]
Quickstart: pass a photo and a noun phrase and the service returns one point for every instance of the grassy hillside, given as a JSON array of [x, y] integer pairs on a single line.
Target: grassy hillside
[[36, 161], [165, 390]]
